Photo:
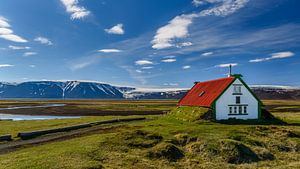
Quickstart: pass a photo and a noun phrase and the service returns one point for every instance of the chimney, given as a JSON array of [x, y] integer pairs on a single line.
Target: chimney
[[230, 71]]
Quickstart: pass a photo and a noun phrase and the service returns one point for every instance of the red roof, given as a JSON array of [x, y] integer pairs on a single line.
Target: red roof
[[205, 93]]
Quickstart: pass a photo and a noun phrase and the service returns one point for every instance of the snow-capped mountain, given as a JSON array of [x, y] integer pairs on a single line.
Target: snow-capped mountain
[[59, 89], [82, 90], [98, 90]]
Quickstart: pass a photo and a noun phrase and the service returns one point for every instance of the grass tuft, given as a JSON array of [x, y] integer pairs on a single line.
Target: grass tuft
[[166, 150], [141, 139]]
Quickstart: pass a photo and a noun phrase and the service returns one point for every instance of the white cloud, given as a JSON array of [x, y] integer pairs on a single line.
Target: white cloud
[[109, 50], [18, 47], [186, 67], [258, 60], [184, 44], [117, 29], [169, 57], [4, 22], [81, 65], [278, 55], [6, 65], [198, 2], [76, 11], [282, 55], [168, 60], [84, 62], [143, 62], [7, 33], [226, 65], [226, 8], [43, 40], [177, 28], [32, 66], [139, 71], [14, 38], [202, 2], [207, 53], [29, 53], [147, 67], [170, 84]]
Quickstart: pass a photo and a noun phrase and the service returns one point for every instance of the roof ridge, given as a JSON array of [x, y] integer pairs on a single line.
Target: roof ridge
[[231, 77]]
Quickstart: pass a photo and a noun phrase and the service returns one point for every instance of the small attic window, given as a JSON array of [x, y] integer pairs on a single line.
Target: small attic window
[[201, 93]]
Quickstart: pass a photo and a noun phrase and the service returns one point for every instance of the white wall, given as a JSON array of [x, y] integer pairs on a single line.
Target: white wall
[[222, 109]]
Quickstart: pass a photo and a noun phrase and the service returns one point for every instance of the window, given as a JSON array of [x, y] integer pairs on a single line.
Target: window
[[237, 89], [245, 109], [201, 93], [230, 110], [237, 99], [235, 110], [240, 109]]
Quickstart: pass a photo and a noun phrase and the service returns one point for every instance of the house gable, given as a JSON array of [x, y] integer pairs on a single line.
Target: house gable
[[237, 101]]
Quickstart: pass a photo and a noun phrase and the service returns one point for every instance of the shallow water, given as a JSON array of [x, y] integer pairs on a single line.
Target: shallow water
[[32, 117], [17, 117]]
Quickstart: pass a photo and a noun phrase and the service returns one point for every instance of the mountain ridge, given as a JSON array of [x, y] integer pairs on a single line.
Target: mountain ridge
[[82, 89]]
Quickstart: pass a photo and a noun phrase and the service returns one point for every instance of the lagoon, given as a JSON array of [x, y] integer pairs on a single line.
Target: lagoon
[[18, 117]]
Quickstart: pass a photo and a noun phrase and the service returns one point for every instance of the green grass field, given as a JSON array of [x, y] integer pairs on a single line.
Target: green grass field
[[179, 139]]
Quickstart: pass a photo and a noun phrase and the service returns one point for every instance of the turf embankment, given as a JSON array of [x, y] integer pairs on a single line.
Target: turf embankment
[[190, 114]]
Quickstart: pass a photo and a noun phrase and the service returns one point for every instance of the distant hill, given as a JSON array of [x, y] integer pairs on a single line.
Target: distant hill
[[97, 90], [269, 92]]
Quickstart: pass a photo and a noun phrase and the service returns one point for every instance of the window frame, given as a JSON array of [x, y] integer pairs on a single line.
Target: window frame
[[245, 110], [230, 109], [240, 109], [238, 100], [237, 89]]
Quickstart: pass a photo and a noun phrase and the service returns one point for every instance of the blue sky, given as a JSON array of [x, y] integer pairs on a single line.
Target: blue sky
[[150, 43]]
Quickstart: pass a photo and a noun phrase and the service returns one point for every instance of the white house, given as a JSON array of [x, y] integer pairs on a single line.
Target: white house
[[229, 98]]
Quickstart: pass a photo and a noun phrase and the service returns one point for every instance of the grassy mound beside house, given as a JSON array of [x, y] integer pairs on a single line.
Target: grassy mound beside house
[[191, 114]]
